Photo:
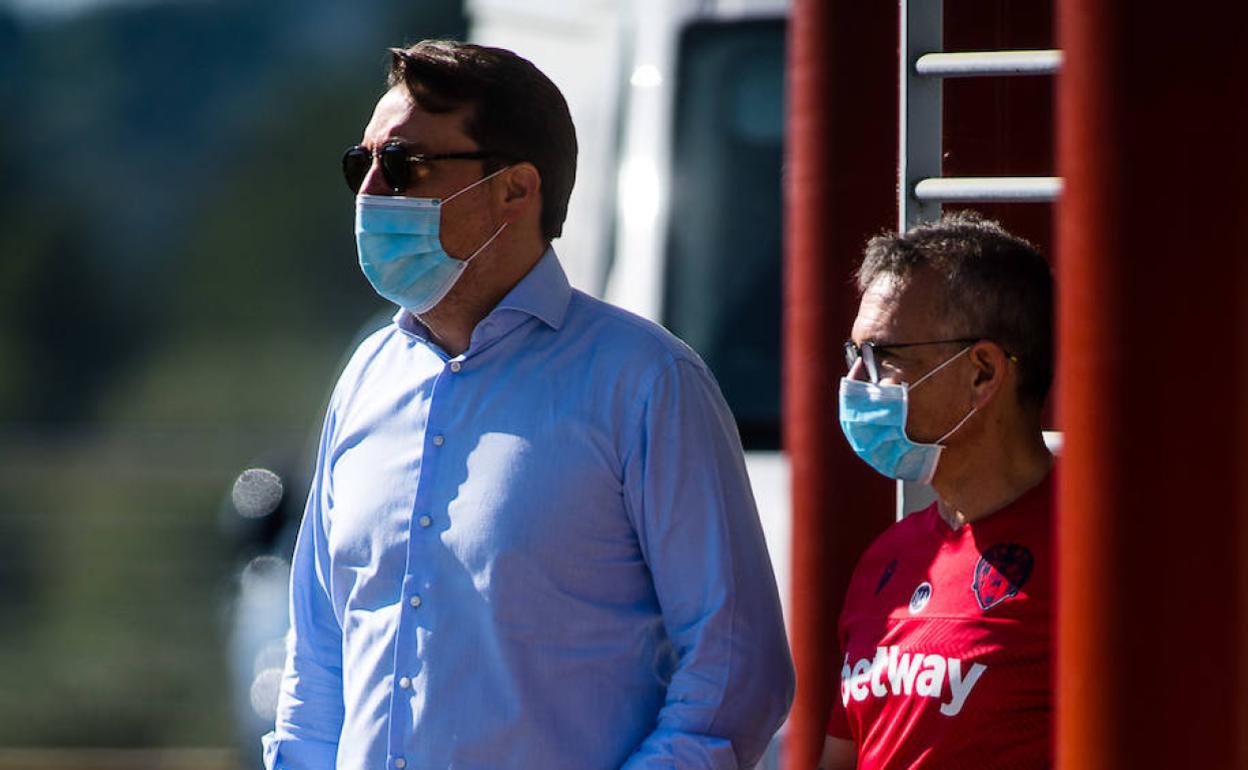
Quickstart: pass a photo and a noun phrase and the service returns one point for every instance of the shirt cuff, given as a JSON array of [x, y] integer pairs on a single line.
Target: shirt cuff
[[286, 754]]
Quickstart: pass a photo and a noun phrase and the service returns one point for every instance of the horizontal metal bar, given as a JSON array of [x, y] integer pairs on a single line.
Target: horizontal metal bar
[[996, 189], [989, 63]]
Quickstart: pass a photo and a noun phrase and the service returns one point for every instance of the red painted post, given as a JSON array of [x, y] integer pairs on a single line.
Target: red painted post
[[1153, 386], [839, 187]]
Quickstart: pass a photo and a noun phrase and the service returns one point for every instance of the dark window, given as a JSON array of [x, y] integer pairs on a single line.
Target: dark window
[[723, 281]]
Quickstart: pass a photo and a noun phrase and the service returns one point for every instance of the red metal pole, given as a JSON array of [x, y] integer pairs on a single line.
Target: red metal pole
[[1153, 386], [839, 188]]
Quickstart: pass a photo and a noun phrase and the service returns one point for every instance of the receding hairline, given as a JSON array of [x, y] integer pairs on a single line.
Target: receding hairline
[[898, 282]]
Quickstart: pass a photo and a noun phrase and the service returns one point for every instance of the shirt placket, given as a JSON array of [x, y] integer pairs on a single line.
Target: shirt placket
[[419, 587]]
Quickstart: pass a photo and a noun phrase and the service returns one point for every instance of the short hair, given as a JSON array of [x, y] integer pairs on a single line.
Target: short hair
[[997, 286], [517, 111]]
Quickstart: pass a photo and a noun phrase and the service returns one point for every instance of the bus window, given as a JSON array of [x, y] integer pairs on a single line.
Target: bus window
[[722, 287]]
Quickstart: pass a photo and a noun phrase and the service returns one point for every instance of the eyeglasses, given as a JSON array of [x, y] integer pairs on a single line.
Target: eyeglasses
[[396, 163], [870, 352]]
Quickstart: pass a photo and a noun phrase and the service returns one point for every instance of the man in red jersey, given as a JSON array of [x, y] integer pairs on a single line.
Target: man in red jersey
[[946, 634]]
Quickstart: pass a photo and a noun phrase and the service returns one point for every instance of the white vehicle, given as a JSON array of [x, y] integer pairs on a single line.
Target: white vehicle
[[676, 214]]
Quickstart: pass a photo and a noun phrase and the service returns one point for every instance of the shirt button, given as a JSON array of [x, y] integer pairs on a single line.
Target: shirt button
[[425, 521], [404, 683], [400, 762], [415, 601], [456, 366], [438, 441]]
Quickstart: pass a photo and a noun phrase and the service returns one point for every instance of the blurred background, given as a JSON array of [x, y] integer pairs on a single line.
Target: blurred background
[[177, 288]]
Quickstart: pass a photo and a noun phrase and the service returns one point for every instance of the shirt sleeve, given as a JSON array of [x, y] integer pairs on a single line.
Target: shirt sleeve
[[310, 704], [690, 500]]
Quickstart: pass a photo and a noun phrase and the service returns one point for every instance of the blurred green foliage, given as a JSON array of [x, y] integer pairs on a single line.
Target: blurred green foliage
[[177, 289]]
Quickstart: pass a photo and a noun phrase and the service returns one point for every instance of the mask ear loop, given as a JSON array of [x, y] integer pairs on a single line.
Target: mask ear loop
[[961, 422], [501, 227], [488, 241], [969, 415], [950, 360], [482, 180]]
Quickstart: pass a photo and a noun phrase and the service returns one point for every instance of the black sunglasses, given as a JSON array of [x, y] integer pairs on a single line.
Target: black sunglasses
[[396, 163]]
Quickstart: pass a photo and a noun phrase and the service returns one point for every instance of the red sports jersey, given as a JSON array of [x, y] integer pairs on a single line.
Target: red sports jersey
[[947, 637]]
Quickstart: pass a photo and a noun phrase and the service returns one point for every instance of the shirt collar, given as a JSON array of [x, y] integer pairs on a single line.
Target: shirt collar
[[544, 293]]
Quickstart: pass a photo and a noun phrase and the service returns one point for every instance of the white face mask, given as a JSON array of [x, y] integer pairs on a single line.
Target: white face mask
[[400, 247]]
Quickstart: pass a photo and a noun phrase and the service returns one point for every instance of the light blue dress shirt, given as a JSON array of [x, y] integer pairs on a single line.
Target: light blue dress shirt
[[543, 553]]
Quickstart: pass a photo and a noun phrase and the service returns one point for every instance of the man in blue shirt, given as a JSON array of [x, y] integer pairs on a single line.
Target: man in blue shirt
[[530, 541]]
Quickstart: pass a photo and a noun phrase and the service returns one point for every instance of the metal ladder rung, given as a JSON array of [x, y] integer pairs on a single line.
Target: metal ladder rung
[[974, 64], [997, 189]]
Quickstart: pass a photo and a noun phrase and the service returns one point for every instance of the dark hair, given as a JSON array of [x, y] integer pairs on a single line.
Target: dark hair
[[516, 111], [996, 286]]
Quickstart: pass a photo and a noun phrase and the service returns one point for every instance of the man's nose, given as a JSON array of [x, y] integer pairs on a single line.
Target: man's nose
[[859, 371], [375, 182]]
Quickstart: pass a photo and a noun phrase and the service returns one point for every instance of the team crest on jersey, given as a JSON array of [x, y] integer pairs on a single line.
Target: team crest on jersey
[[1001, 573], [920, 597]]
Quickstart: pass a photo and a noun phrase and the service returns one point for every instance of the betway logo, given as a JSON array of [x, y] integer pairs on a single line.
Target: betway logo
[[903, 674]]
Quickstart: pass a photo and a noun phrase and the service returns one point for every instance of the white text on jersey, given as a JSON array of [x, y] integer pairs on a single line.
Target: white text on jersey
[[898, 673]]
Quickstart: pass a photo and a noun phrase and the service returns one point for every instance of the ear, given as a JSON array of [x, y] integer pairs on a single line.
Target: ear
[[521, 191], [991, 370]]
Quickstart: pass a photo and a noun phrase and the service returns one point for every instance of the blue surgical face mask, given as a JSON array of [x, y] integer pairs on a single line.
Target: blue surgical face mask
[[873, 418], [400, 247]]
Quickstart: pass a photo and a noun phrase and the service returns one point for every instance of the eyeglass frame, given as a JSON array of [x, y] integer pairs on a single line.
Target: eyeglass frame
[[854, 352], [377, 156]]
